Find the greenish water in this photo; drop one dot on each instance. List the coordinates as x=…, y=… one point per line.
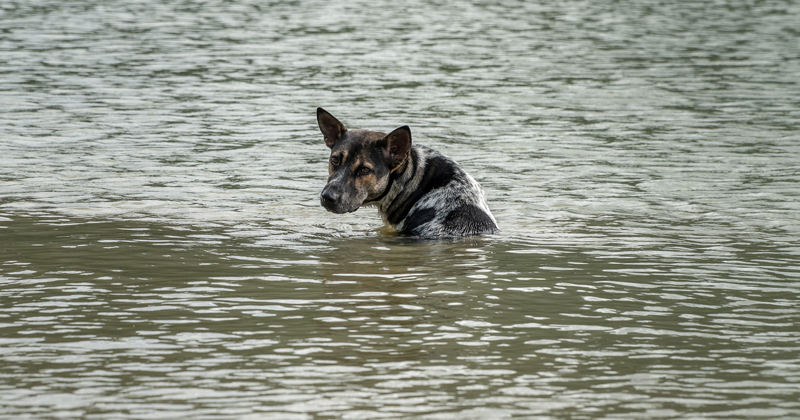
x=163, y=253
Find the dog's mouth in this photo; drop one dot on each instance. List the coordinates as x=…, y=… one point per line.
x=337, y=206
x=338, y=210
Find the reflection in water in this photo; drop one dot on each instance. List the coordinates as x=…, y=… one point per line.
x=163, y=253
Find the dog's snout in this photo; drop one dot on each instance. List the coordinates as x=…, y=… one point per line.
x=330, y=195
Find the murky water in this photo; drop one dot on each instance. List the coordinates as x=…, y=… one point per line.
x=163, y=254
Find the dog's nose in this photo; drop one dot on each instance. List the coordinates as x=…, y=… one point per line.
x=329, y=195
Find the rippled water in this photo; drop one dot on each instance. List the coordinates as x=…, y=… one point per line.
x=163, y=253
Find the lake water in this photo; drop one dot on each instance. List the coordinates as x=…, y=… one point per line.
x=163, y=254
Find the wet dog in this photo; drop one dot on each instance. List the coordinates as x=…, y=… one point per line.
x=417, y=190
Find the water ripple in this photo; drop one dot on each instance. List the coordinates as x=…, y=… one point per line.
x=163, y=253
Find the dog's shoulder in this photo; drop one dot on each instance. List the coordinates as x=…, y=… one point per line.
x=446, y=200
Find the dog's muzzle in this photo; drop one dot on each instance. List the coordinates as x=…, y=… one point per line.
x=329, y=196
x=331, y=199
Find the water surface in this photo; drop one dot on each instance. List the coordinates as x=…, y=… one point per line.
x=163, y=253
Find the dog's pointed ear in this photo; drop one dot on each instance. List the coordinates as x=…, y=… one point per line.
x=331, y=128
x=396, y=145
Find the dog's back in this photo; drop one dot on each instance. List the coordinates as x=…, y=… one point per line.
x=434, y=197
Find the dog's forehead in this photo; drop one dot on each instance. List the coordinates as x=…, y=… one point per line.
x=357, y=142
x=363, y=136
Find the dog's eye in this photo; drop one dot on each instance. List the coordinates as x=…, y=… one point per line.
x=364, y=171
x=334, y=160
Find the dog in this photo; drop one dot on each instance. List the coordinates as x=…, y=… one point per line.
x=417, y=190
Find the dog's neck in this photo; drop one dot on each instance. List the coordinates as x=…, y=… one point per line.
x=398, y=191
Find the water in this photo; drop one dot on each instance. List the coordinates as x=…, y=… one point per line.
x=163, y=253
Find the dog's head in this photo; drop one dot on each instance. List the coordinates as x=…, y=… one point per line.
x=360, y=164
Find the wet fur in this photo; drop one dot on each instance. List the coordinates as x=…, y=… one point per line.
x=417, y=190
